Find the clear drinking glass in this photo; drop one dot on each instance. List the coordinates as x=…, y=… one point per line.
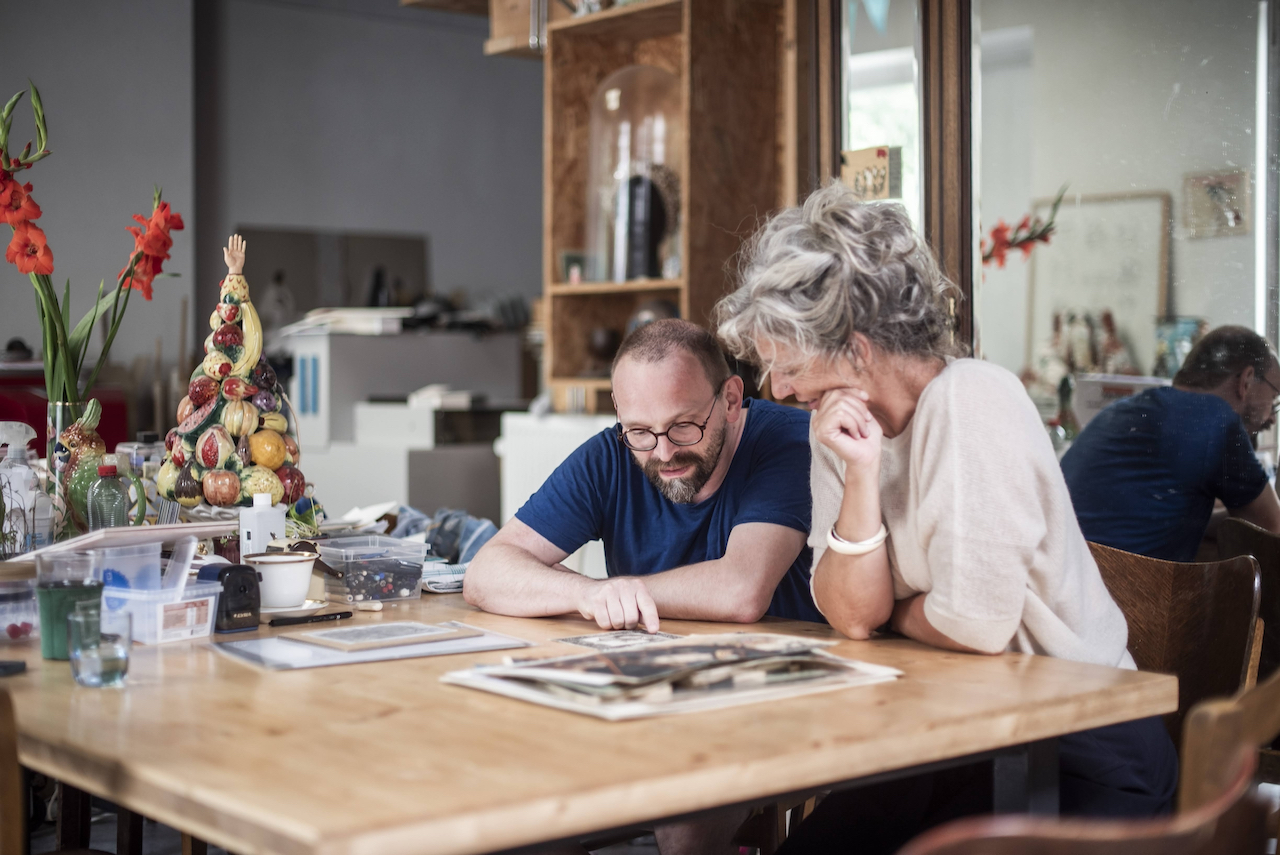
x=99, y=642
x=64, y=579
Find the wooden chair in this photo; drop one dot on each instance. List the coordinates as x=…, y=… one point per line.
x=1236, y=537
x=1197, y=621
x=1218, y=812
x=1232, y=824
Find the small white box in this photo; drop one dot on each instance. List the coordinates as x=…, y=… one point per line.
x=395, y=424
x=159, y=617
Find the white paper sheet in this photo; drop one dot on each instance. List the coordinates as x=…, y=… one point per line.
x=280, y=654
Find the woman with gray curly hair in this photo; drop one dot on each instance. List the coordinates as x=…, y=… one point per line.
x=939, y=508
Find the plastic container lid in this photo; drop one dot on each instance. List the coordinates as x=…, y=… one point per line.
x=262, y=500
x=106, y=470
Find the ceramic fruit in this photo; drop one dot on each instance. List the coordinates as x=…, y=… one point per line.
x=228, y=335
x=171, y=439
x=221, y=488
x=198, y=420
x=252, y=341
x=166, y=478
x=214, y=447
x=217, y=364
x=187, y=490
x=182, y=452
x=185, y=409
x=228, y=312
x=259, y=479
x=293, y=482
x=291, y=451
x=264, y=376
x=265, y=401
x=266, y=448
x=202, y=390
x=274, y=421
x=242, y=450
x=234, y=389
x=240, y=418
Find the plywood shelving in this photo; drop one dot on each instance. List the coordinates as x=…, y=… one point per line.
x=726, y=55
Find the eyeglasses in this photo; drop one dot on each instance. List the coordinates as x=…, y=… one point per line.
x=1275, y=404
x=680, y=433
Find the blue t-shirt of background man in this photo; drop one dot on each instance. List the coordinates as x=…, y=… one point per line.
x=1144, y=473
x=600, y=492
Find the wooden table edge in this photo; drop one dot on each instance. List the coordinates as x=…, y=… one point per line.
x=578, y=813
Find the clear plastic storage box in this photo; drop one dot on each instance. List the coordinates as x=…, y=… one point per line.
x=19, y=617
x=160, y=616
x=372, y=568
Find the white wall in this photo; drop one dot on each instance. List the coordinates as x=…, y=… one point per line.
x=348, y=115
x=362, y=116
x=1129, y=95
x=116, y=81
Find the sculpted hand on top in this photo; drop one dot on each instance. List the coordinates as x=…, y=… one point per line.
x=845, y=425
x=620, y=603
x=233, y=255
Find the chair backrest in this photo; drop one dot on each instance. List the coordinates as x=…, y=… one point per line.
x=1232, y=824
x=1237, y=537
x=13, y=816
x=1213, y=734
x=1193, y=620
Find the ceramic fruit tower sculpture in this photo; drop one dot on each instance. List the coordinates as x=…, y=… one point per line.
x=232, y=438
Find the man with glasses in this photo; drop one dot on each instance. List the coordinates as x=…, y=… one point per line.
x=1144, y=474
x=700, y=496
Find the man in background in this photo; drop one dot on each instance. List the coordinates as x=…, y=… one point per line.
x=1145, y=472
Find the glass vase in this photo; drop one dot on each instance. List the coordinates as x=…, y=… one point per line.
x=61, y=415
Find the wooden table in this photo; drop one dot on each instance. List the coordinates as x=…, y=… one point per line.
x=382, y=759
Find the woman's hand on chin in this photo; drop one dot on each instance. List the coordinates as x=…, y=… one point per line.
x=845, y=425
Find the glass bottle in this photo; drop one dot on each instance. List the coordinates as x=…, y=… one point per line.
x=634, y=175
x=108, y=497
x=1066, y=414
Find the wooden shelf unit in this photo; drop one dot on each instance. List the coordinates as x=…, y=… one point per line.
x=727, y=57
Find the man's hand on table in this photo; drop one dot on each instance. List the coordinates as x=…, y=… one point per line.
x=622, y=602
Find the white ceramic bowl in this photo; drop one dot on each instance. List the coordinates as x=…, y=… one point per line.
x=286, y=576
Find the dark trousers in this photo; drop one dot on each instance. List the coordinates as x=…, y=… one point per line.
x=1123, y=770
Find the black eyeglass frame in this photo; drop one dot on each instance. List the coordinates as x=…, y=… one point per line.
x=621, y=432
x=1275, y=405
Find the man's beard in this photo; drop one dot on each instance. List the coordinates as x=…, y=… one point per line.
x=683, y=490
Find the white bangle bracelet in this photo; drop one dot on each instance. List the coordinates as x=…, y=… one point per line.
x=845, y=547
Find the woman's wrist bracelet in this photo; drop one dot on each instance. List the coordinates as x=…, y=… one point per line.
x=846, y=547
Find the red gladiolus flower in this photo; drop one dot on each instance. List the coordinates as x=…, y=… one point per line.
x=16, y=206
x=29, y=250
x=1000, y=242
x=153, y=241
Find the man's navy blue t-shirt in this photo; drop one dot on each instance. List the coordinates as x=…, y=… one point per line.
x=1144, y=473
x=600, y=492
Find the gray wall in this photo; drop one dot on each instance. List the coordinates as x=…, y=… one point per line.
x=116, y=80
x=323, y=114
x=367, y=117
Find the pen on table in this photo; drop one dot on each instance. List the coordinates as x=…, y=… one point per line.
x=294, y=621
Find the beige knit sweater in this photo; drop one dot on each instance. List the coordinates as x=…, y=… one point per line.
x=980, y=520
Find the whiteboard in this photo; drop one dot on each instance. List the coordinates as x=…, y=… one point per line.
x=1108, y=252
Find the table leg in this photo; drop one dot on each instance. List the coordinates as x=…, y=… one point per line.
x=1025, y=779
x=73, y=818
x=194, y=845
x=128, y=832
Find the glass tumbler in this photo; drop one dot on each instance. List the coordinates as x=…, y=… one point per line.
x=98, y=642
x=64, y=579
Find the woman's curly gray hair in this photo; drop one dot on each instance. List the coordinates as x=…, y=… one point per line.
x=813, y=276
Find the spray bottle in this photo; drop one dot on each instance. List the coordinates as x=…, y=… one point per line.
x=28, y=513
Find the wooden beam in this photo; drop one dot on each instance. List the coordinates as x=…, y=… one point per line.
x=946, y=47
